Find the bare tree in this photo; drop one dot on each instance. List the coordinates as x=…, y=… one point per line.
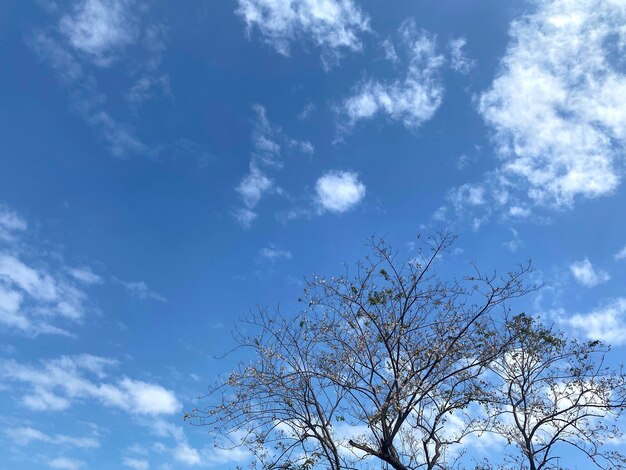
x=375, y=369
x=554, y=392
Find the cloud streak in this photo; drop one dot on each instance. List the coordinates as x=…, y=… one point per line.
x=25, y=435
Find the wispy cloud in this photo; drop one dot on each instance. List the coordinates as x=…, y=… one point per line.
x=38, y=294
x=253, y=186
x=91, y=35
x=85, y=275
x=274, y=253
x=181, y=451
x=140, y=290
x=244, y=216
x=620, y=255
x=119, y=137
x=66, y=463
x=306, y=112
x=411, y=100
x=146, y=87
x=459, y=62
x=269, y=145
x=332, y=25
x=33, y=297
x=57, y=383
x=136, y=464
x=11, y=224
x=26, y=435
x=467, y=195
x=186, y=454
x=224, y=452
x=514, y=243
x=584, y=272
x=188, y=149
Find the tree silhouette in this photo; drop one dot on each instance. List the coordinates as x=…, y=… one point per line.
x=391, y=366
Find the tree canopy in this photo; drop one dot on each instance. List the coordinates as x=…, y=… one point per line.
x=390, y=366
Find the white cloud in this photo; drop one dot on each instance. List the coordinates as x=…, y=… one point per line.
x=519, y=212
x=306, y=112
x=136, y=464
x=587, y=275
x=59, y=382
x=458, y=61
x=37, y=284
x=11, y=224
x=163, y=428
x=186, y=454
x=339, y=191
x=269, y=141
x=119, y=137
x=476, y=203
x=305, y=147
x=558, y=105
x=64, y=463
x=67, y=67
x=467, y=194
x=469, y=202
x=514, y=243
x=244, y=216
x=274, y=253
x=147, y=398
x=389, y=49
x=182, y=452
x=100, y=28
x=140, y=290
x=411, y=100
x=85, y=275
x=144, y=88
x=23, y=436
x=95, y=364
x=605, y=323
x=620, y=255
x=253, y=186
x=332, y=25
x=32, y=296
x=41, y=399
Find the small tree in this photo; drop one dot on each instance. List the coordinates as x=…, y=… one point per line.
x=374, y=367
x=554, y=392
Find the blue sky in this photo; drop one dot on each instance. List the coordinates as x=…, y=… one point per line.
x=166, y=167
